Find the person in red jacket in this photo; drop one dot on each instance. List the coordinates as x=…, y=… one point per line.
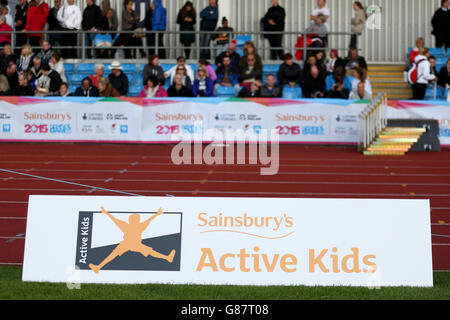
x=5, y=38
x=36, y=19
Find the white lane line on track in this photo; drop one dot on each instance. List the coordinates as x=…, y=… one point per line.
x=243, y=172
x=233, y=192
x=381, y=166
x=253, y=182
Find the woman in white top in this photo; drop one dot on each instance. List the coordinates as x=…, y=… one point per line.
x=25, y=58
x=56, y=63
x=424, y=74
x=361, y=76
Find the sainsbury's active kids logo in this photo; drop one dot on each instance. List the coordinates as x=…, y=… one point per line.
x=150, y=241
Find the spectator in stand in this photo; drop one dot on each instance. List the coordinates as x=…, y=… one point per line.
x=92, y=16
x=251, y=92
x=64, y=90
x=314, y=84
x=187, y=82
x=338, y=86
x=432, y=60
x=153, y=89
x=420, y=43
x=289, y=73
x=227, y=75
x=130, y=22
x=49, y=83
x=187, y=19
x=270, y=89
x=251, y=73
x=354, y=61
x=34, y=23
x=423, y=74
x=223, y=37
x=249, y=48
x=24, y=88
x=148, y=25
x=444, y=76
x=106, y=5
x=25, y=58
x=177, y=89
x=12, y=76
x=46, y=52
x=106, y=89
x=334, y=61
x=86, y=89
x=231, y=52
x=441, y=25
x=4, y=86
x=153, y=69
x=5, y=38
x=36, y=69
x=20, y=23
x=57, y=64
x=203, y=86
x=312, y=61
x=210, y=16
x=274, y=20
x=118, y=79
x=159, y=23
x=210, y=72
x=358, y=23
x=320, y=15
x=172, y=71
x=320, y=58
x=4, y=11
x=54, y=24
x=361, y=93
x=99, y=70
x=6, y=56
x=69, y=16
x=31, y=79
x=360, y=75
x=107, y=24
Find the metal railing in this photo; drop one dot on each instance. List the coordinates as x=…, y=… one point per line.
x=81, y=46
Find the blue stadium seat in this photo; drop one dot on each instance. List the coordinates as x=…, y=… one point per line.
x=75, y=79
x=240, y=52
x=134, y=91
x=129, y=68
x=292, y=93
x=225, y=92
x=69, y=68
x=271, y=68
x=440, y=94
x=167, y=66
x=137, y=80
x=242, y=39
x=141, y=67
x=194, y=68
x=166, y=86
x=437, y=52
x=86, y=68
x=73, y=88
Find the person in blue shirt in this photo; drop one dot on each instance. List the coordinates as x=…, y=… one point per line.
x=210, y=16
x=156, y=20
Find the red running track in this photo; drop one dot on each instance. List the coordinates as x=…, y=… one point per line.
x=305, y=172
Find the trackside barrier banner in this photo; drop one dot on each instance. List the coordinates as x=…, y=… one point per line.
x=240, y=241
x=438, y=110
x=137, y=120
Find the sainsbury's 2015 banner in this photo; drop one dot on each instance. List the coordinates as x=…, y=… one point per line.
x=137, y=120
x=240, y=241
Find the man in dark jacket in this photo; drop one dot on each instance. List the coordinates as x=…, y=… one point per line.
x=314, y=85
x=20, y=22
x=441, y=25
x=289, y=73
x=12, y=76
x=210, y=16
x=118, y=79
x=274, y=20
x=54, y=24
x=24, y=88
x=86, y=89
x=92, y=16
x=270, y=89
x=54, y=80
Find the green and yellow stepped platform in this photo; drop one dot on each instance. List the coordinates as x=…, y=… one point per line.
x=394, y=141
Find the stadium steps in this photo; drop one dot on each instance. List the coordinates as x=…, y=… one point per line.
x=389, y=79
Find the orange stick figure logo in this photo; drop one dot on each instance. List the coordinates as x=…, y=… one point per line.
x=132, y=239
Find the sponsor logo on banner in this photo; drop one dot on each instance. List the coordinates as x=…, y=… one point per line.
x=48, y=128
x=93, y=116
x=346, y=118
x=124, y=128
x=4, y=116
x=145, y=241
x=6, y=127
x=159, y=116
x=299, y=117
x=226, y=117
x=61, y=117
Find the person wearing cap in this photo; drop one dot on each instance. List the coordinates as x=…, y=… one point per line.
x=231, y=53
x=118, y=79
x=223, y=37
